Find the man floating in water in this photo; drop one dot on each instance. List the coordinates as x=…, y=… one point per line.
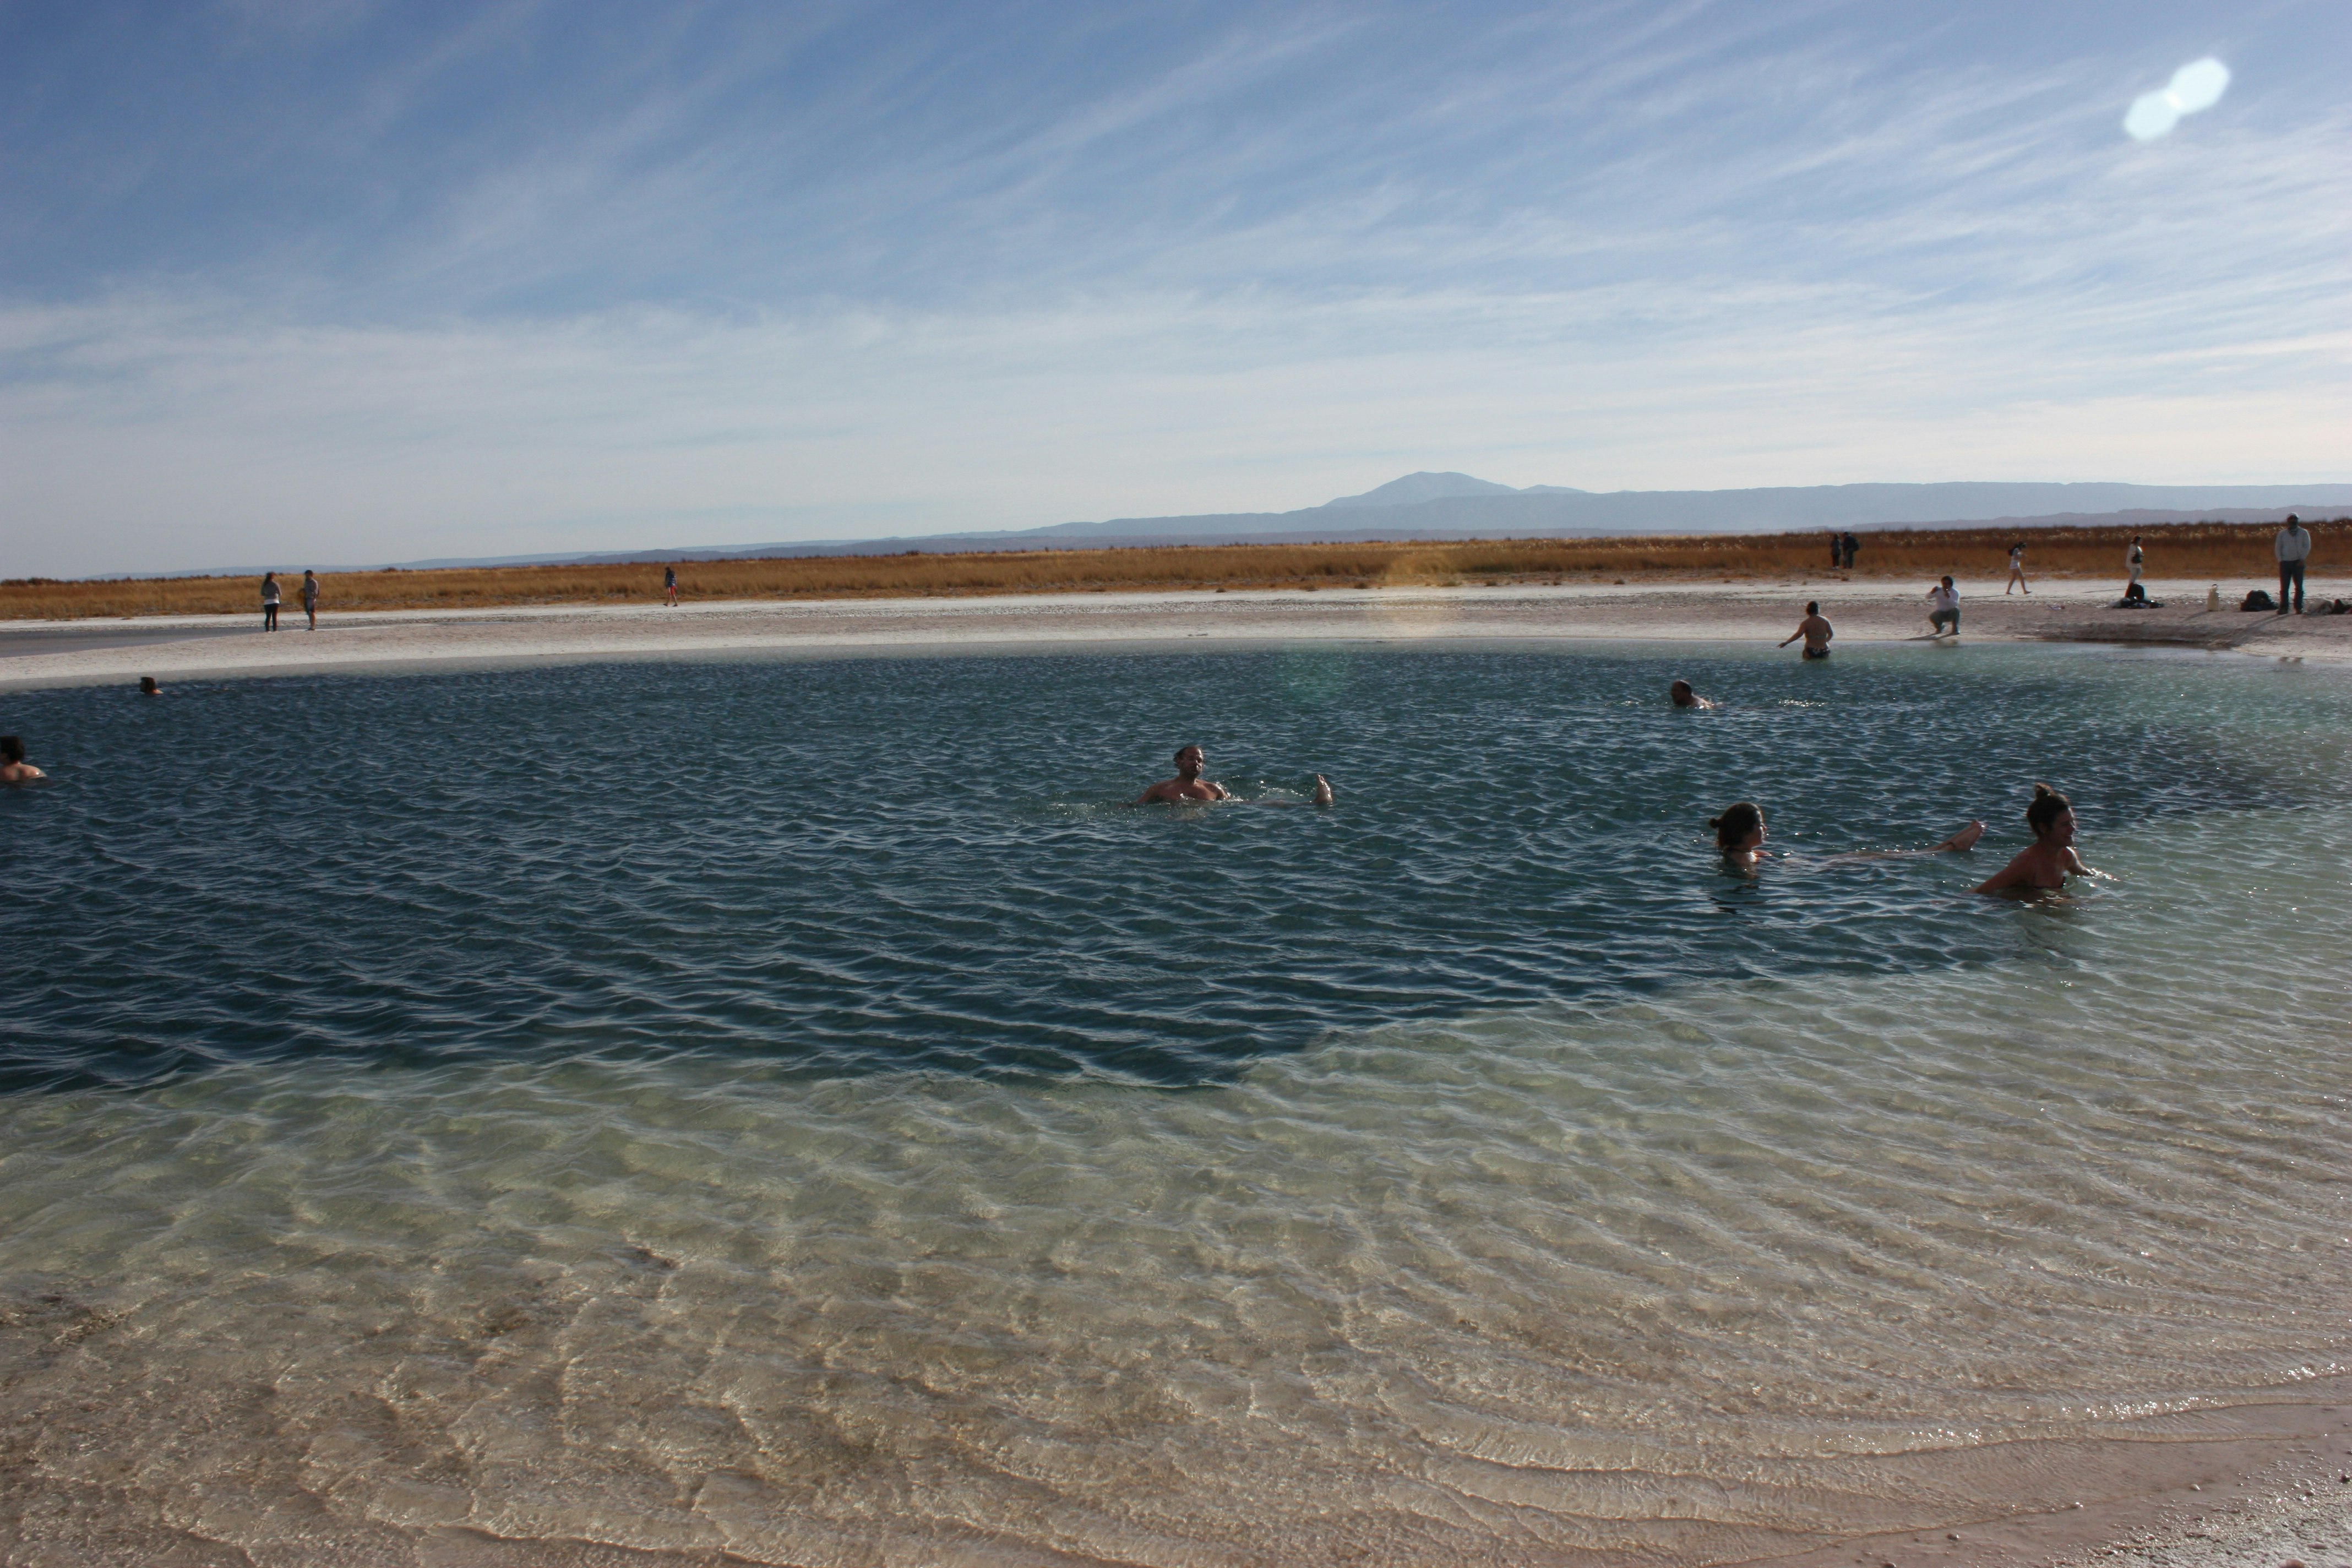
x=1815, y=630
x=1188, y=783
x=1683, y=696
x=14, y=768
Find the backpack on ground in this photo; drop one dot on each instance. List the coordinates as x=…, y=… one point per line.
x=2258, y=600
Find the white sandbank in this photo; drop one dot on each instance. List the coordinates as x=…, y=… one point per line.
x=65, y=653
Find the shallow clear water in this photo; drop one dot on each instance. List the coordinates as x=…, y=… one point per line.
x=792, y=1107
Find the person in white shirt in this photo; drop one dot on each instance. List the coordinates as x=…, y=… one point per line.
x=2016, y=570
x=2134, y=559
x=2293, y=547
x=1943, y=609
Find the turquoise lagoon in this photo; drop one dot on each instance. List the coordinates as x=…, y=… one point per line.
x=791, y=1108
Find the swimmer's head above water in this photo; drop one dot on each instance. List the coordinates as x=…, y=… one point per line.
x=1188, y=783
x=2052, y=817
x=1682, y=695
x=1741, y=830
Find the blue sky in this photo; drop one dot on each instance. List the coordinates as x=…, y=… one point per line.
x=342, y=282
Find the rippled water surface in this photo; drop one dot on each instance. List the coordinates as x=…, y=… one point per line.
x=793, y=1109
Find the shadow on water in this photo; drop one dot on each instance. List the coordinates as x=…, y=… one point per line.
x=923, y=863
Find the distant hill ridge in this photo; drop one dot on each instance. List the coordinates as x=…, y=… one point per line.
x=1450, y=506
x=1461, y=506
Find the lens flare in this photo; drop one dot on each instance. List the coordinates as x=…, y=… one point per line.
x=2197, y=84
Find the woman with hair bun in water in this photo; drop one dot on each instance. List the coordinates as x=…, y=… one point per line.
x=2049, y=859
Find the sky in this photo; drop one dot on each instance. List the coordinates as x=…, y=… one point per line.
x=304, y=281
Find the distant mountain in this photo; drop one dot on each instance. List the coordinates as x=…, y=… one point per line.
x=1414, y=489
x=1459, y=506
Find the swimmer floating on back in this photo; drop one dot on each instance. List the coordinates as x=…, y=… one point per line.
x=1188, y=783
x=1814, y=630
x=2049, y=859
x=1739, y=835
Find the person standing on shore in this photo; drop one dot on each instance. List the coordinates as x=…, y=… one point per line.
x=1943, y=609
x=1837, y=550
x=669, y=583
x=1815, y=630
x=2135, y=559
x=2016, y=570
x=2294, y=548
x=270, y=597
x=310, y=596
x=1851, y=544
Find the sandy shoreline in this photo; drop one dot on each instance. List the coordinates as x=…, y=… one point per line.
x=2252, y=1484
x=64, y=653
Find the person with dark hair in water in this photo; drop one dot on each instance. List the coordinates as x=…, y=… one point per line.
x=14, y=768
x=1682, y=696
x=1188, y=784
x=2050, y=858
x=147, y=687
x=1739, y=835
x=1815, y=630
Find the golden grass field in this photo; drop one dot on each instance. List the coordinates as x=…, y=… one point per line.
x=2206, y=551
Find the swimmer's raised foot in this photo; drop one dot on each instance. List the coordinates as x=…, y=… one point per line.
x=1966, y=839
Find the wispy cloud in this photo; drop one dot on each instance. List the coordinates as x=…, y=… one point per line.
x=564, y=276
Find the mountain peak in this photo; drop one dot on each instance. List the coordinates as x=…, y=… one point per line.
x=1422, y=487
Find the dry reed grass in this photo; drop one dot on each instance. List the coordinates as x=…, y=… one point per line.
x=2210, y=551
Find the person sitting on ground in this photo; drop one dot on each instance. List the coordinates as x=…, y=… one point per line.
x=1188, y=783
x=2293, y=546
x=1943, y=609
x=2134, y=559
x=1814, y=630
x=147, y=687
x=14, y=768
x=1683, y=696
x=2049, y=859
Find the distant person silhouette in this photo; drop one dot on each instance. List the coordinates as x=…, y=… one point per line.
x=669, y=583
x=2293, y=547
x=310, y=596
x=1943, y=609
x=269, y=601
x=2016, y=570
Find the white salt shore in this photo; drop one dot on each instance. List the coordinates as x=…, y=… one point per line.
x=62, y=653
